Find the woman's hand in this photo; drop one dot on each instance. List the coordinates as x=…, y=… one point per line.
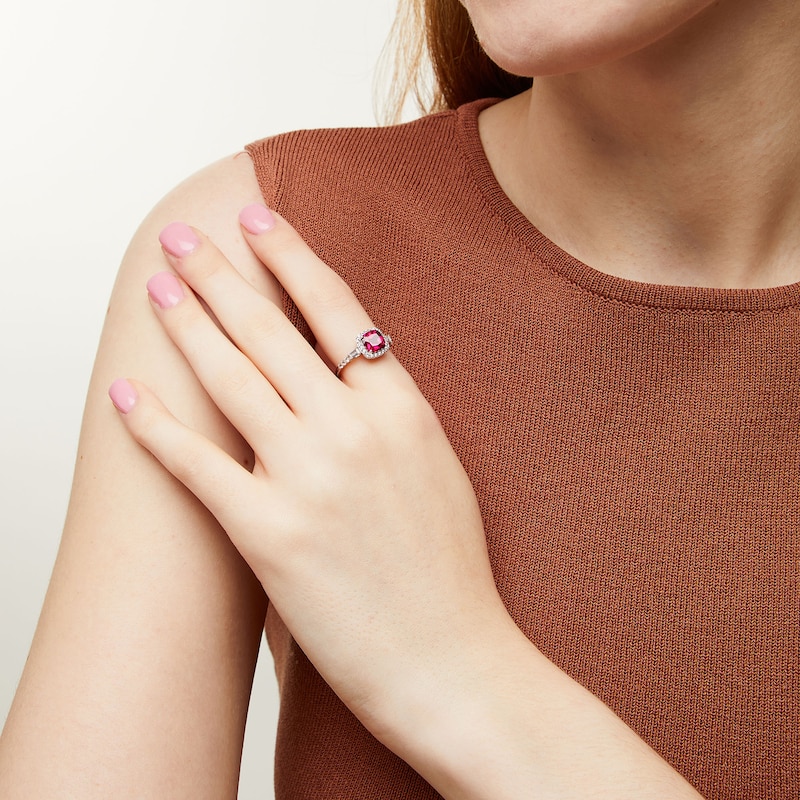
x=364, y=530
x=357, y=516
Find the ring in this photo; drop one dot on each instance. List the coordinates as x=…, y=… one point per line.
x=372, y=343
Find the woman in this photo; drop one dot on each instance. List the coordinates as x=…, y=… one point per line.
x=613, y=617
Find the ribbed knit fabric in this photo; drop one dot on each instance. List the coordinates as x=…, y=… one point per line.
x=634, y=449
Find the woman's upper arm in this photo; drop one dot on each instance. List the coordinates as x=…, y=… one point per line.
x=139, y=675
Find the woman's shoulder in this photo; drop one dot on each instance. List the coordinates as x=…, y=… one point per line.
x=335, y=185
x=364, y=160
x=210, y=199
x=418, y=133
x=367, y=160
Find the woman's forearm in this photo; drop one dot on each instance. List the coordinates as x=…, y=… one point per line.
x=499, y=721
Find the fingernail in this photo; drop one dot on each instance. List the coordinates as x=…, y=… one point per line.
x=122, y=395
x=165, y=290
x=178, y=239
x=256, y=218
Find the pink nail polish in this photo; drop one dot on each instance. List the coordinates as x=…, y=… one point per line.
x=165, y=290
x=178, y=239
x=122, y=395
x=256, y=218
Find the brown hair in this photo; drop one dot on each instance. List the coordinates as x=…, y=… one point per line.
x=439, y=61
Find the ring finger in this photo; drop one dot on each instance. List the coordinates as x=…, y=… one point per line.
x=328, y=304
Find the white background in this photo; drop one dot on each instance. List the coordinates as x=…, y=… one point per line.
x=103, y=108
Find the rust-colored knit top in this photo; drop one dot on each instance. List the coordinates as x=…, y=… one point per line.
x=634, y=449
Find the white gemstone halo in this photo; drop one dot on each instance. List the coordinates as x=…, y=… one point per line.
x=371, y=343
x=369, y=348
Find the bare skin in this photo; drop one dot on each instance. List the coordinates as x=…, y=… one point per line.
x=634, y=164
x=676, y=164
x=139, y=677
x=542, y=37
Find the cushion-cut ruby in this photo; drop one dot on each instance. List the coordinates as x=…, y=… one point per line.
x=373, y=341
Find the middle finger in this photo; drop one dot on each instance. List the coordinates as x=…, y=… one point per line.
x=258, y=327
x=232, y=381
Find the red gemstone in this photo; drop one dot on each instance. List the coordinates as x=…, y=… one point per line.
x=373, y=341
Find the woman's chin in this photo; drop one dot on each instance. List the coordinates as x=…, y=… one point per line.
x=540, y=59
x=536, y=47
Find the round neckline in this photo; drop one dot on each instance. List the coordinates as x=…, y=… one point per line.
x=588, y=278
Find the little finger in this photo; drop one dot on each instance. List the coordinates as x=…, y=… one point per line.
x=217, y=480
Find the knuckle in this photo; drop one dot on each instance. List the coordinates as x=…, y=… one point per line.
x=235, y=381
x=181, y=324
x=283, y=240
x=185, y=465
x=156, y=430
x=204, y=264
x=329, y=291
x=265, y=323
x=354, y=436
x=291, y=539
x=282, y=245
x=145, y=424
x=412, y=411
x=255, y=419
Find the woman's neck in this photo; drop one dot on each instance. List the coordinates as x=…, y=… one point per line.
x=677, y=165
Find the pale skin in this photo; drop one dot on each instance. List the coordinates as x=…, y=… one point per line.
x=675, y=163
x=138, y=679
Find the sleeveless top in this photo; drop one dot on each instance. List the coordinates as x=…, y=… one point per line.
x=633, y=448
